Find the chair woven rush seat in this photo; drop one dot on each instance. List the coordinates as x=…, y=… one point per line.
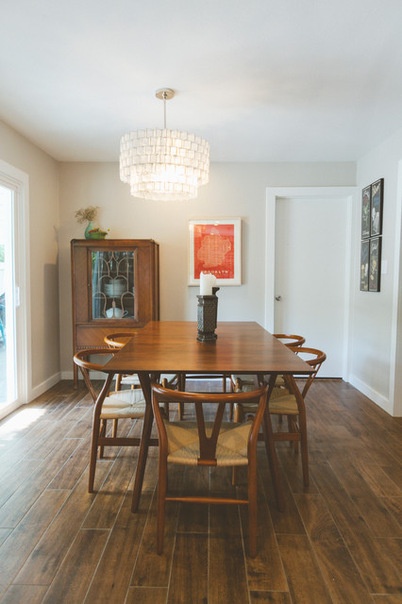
x=184, y=445
x=248, y=383
x=124, y=403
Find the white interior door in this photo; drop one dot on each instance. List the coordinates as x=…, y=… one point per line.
x=310, y=272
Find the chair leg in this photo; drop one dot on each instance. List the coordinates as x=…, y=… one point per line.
x=93, y=456
x=142, y=457
x=293, y=428
x=234, y=476
x=181, y=385
x=118, y=382
x=162, y=490
x=96, y=429
x=238, y=414
x=252, y=509
x=224, y=383
x=272, y=459
x=304, y=449
x=302, y=429
x=102, y=432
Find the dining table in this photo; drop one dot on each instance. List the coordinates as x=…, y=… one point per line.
x=171, y=347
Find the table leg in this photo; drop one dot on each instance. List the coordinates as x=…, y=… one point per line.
x=145, y=382
x=270, y=449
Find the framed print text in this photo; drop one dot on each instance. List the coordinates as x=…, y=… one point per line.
x=215, y=247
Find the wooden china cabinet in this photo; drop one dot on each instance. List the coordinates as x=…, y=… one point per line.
x=115, y=287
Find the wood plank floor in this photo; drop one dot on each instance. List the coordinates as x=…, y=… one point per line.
x=337, y=542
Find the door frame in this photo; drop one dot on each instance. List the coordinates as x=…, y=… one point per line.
x=18, y=181
x=274, y=194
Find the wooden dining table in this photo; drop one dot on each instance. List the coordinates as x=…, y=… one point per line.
x=171, y=347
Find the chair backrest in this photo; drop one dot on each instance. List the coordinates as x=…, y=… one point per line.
x=118, y=339
x=290, y=339
x=208, y=427
x=314, y=358
x=82, y=358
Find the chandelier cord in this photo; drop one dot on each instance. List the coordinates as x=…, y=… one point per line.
x=164, y=109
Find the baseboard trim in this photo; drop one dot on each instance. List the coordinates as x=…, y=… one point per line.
x=372, y=394
x=44, y=386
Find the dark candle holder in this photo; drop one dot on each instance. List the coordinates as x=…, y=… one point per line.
x=207, y=314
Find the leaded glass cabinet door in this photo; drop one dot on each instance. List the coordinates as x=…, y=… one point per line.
x=115, y=287
x=113, y=284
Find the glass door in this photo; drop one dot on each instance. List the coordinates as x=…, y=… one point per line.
x=113, y=287
x=8, y=374
x=15, y=347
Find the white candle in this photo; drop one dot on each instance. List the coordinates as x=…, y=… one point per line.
x=203, y=284
x=207, y=282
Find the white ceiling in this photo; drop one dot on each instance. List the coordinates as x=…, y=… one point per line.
x=262, y=80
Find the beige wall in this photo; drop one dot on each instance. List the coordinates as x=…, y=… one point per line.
x=43, y=173
x=234, y=190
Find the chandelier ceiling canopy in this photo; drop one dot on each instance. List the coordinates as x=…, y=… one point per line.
x=163, y=164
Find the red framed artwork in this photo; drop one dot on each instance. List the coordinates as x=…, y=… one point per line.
x=215, y=247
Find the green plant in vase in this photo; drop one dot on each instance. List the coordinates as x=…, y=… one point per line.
x=89, y=215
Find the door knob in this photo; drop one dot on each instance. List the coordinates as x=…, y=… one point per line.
x=278, y=298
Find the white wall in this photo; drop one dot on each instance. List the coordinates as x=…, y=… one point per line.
x=43, y=176
x=376, y=335
x=234, y=190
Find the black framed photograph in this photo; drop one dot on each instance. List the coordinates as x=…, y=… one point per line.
x=364, y=265
x=366, y=212
x=377, y=195
x=375, y=264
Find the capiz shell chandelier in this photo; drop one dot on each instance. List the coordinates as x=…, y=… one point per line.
x=166, y=165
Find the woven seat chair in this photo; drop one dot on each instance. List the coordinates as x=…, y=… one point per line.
x=290, y=339
x=203, y=443
x=250, y=381
x=117, y=341
x=124, y=404
x=283, y=402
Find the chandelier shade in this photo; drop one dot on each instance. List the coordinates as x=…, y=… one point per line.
x=163, y=164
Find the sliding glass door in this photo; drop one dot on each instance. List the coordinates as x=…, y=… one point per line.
x=14, y=289
x=8, y=372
